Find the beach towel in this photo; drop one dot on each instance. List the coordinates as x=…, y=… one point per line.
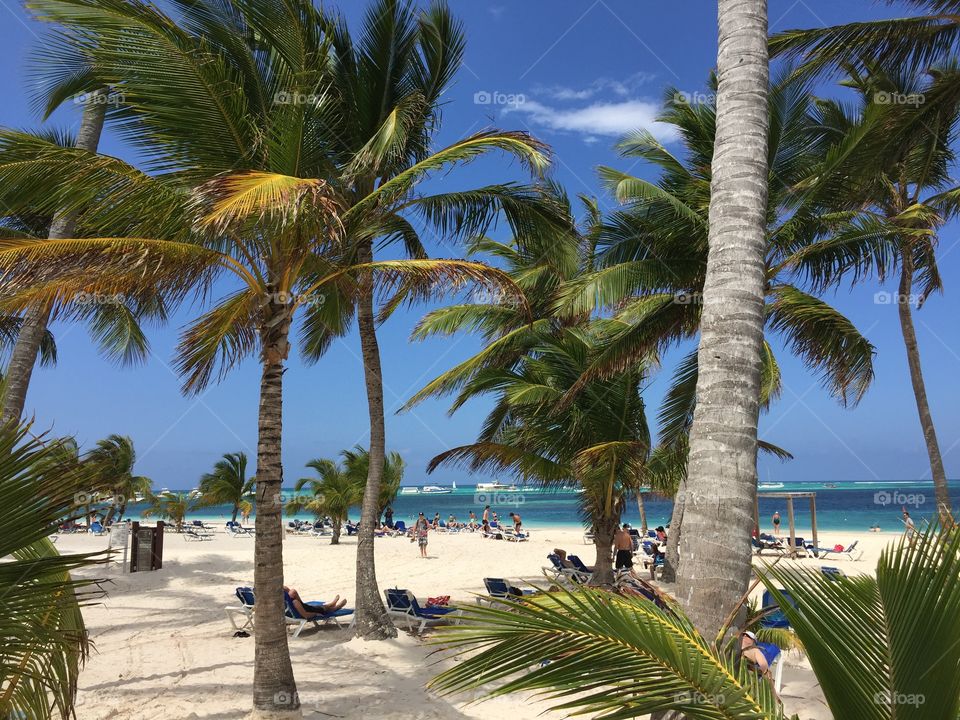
x=439, y=601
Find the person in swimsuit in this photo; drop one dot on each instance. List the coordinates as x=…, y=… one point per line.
x=516, y=521
x=313, y=610
x=623, y=545
x=776, y=524
x=421, y=530
x=909, y=529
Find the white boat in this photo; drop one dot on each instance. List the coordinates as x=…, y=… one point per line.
x=409, y=491
x=769, y=486
x=496, y=487
x=435, y=490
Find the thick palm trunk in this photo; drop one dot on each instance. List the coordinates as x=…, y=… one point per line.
x=335, y=540
x=372, y=621
x=274, y=687
x=233, y=517
x=36, y=319
x=941, y=489
x=722, y=475
x=603, y=532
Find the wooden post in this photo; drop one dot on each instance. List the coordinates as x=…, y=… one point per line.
x=134, y=545
x=813, y=518
x=793, y=532
x=157, y=554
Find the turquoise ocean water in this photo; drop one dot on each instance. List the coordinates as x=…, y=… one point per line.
x=849, y=506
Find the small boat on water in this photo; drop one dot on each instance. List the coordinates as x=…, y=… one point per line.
x=409, y=491
x=769, y=486
x=435, y=490
x=829, y=485
x=496, y=487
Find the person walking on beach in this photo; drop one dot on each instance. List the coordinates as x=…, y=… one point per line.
x=623, y=545
x=909, y=529
x=420, y=531
x=776, y=524
x=388, y=517
x=486, y=515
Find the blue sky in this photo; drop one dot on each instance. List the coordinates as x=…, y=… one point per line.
x=586, y=72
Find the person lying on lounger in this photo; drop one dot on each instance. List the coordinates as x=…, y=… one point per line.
x=312, y=610
x=752, y=654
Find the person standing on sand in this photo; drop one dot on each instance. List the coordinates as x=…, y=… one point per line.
x=473, y=521
x=486, y=515
x=776, y=524
x=388, y=517
x=909, y=529
x=420, y=531
x=623, y=545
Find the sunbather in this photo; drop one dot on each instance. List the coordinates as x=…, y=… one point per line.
x=752, y=654
x=309, y=611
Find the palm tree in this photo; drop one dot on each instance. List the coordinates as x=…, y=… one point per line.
x=652, y=257
x=247, y=187
x=45, y=641
x=882, y=647
x=114, y=322
x=32, y=333
x=599, y=440
x=915, y=42
x=356, y=463
x=332, y=494
x=721, y=470
x=172, y=507
x=112, y=462
x=388, y=88
x=228, y=483
x=896, y=200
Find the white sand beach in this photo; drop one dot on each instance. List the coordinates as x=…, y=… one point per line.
x=164, y=648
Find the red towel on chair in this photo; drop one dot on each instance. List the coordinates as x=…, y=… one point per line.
x=439, y=601
x=838, y=548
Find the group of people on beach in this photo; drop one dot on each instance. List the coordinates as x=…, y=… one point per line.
x=422, y=527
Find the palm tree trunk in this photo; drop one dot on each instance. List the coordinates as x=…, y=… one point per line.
x=941, y=489
x=372, y=621
x=722, y=475
x=236, y=509
x=671, y=558
x=335, y=540
x=36, y=319
x=603, y=531
x=641, y=508
x=123, y=510
x=274, y=687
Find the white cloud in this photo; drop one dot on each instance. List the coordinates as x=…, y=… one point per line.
x=599, y=118
x=621, y=88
